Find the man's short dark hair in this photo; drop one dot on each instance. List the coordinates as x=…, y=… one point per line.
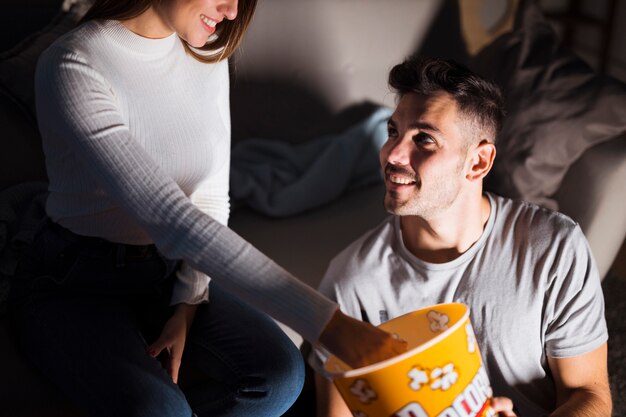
x=478, y=99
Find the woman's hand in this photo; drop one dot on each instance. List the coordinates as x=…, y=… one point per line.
x=358, y=343
x=173, y=338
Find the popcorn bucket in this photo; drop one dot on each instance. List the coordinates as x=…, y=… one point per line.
x=441, y=374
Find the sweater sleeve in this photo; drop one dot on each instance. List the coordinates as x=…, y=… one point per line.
x=211, y=196
x=76, y=107
x=192, y=286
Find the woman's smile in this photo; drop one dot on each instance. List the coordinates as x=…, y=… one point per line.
x=208, y=23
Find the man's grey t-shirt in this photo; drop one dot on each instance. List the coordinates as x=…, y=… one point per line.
x=530, y=283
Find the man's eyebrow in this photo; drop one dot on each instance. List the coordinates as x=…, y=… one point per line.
x=416, y=125
x=424, y=126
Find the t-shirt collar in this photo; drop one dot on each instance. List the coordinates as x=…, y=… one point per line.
x=464, y=257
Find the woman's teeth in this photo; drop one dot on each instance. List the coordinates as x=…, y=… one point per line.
x=209, y=22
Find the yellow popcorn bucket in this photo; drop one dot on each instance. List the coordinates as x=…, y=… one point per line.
x=441, y=374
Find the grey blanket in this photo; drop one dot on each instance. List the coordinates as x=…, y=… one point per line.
x=280, y=179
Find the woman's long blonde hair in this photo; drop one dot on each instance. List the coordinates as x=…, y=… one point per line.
x=229, y=33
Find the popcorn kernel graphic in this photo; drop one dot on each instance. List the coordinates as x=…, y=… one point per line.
x=438, y=321
x=443, y=378
x=418, y=377
x=362, y=391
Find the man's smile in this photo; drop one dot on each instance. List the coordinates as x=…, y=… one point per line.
x=397, y=179
x=397, y=176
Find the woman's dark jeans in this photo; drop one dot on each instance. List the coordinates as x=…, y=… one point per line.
x=85, y=311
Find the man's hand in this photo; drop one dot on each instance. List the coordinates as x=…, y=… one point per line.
x=358, y=343
x=173, y=338
x=503, y=406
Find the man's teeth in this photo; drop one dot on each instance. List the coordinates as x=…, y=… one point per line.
x=208, y=21
x=400, y=180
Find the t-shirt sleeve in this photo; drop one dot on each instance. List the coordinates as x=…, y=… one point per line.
x=574, y=306
x=75, y=106
x=338, y=285
x=332, y=287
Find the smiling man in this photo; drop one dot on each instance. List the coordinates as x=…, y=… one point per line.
x=526, y=273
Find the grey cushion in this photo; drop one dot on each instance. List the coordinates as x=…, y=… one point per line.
x=557, y=108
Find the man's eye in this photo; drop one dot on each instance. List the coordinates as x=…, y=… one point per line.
x=392, y=133
x=423, y=139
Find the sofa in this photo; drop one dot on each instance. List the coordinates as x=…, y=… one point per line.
x=313, y=68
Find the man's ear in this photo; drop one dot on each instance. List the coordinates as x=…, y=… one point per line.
x=481, y=158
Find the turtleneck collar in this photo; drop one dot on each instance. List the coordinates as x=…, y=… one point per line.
x=119, y=33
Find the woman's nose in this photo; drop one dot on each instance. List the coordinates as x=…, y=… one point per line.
x=229, y=9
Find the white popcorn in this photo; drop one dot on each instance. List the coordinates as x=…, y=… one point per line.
x=438, y=321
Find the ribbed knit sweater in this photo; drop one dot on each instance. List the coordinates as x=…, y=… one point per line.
x=136, y=135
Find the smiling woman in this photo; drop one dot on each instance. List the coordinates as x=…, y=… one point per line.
x=179, y=16
x=133, y=110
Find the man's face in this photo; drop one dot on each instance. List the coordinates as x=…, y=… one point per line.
x=425, y=156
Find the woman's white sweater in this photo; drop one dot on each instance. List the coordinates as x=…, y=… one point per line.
x=136, y=135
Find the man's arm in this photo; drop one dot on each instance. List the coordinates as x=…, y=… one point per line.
x=582, y=385
x=329, y=401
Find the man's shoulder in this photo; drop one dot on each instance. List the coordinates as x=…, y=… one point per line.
x=358, y=268
x=378, y=238
x=544, y=243
x=530, y=221
x=369, y=249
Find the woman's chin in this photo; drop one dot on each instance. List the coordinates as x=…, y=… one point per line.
x=195, y=41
